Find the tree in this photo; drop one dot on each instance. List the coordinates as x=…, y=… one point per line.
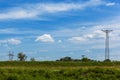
x=66, y=59
x=107, y=60
x=32, y=59
x=85, y=59
x=22, y=56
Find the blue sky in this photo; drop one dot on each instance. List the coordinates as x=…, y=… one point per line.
x=52, y=29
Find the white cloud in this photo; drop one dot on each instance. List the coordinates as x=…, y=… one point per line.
x=10, y=41
x=92, y=36
x=14, y=41
x=59, y=41
x=77, y=39
x=47, y=38
x=60, y=7
x=91, y=3
x=17, y=14
x=87, y=51
x=95, y=34
x=37, y=10
x=110, y=4
x=99, y=35
x=89, y=36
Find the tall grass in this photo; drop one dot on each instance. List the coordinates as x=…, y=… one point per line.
x=59, y=70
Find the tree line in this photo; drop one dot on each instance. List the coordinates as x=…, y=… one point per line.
x=22, y=57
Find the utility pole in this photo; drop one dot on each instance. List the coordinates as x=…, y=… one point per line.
x=107, y=44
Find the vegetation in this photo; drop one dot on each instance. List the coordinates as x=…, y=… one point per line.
x=32, y=59
x=65, y=68
x=22, y=56
x=59, y=70
x=107, y=60
x=84, y=59
x=62, y=74
x=66, y=59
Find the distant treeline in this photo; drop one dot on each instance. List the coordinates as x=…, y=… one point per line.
x=83, y=59
x=22, y=57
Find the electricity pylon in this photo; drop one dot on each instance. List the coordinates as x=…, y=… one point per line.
x=107, y=56
x=11, y=55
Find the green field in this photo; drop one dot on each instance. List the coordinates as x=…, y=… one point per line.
x=53, y=70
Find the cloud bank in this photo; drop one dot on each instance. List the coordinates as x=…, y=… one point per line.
x=10, y=41
x=37, y=10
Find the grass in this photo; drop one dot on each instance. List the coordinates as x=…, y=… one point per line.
x=50, y=70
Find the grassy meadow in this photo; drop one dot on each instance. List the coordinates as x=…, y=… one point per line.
x=59, y=70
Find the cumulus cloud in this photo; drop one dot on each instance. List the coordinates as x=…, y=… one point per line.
x=10, y=41
x=39, y=9
x=47, y=38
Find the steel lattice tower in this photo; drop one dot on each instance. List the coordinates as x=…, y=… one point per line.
x=11, y=55
x=107, y=44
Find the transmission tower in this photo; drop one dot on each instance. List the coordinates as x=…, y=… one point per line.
x=107, y=44
x=11, y=55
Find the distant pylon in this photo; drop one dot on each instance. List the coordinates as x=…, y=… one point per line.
x=11, y=55
x=107, y=56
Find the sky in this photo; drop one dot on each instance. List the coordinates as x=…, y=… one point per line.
x=52, y=29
